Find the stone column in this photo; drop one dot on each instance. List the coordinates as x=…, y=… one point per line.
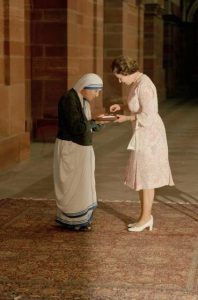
x=28, y=106
x=153, y=47
x=14, y=139
x=85, y=43
x=173, y=54
x=123, y=35
x=48, y=65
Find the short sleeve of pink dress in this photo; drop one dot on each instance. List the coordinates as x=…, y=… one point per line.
x=148, y=166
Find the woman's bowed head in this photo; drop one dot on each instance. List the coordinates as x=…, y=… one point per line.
x=89, y=91
x=126, y=70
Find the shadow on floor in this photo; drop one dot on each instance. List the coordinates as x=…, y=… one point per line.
x=178, y=200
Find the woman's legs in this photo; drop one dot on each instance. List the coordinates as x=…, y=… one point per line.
x=146, y=200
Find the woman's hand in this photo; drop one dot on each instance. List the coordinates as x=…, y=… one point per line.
x=123, y=118
x=114, y=107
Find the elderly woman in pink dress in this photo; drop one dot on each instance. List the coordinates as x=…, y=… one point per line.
x=148, y=166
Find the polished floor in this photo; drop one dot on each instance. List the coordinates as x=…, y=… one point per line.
x=108, y=263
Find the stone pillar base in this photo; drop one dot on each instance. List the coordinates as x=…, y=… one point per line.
x=14, y=149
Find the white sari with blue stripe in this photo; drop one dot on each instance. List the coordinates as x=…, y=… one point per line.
x=74, y=180
x=74, y=167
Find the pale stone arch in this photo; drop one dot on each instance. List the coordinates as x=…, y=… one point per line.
x=192, y=11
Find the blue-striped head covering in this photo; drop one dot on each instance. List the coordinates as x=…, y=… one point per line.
x=90, y=81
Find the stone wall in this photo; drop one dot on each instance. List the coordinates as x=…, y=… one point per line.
x=14, y=139
x=66, y=42
x=123, y=35
x=85, y=42
x=48, y=39
x=47, y=45
x=153, y=47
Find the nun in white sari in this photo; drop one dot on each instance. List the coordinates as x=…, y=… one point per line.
x=74, y=159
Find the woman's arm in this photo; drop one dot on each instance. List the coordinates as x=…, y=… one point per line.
x=148, y=102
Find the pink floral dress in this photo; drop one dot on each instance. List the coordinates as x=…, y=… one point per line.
x=148, y=166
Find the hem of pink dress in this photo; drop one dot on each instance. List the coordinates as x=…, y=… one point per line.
x=148, y=187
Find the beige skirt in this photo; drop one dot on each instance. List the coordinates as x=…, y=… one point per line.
x=74, y=182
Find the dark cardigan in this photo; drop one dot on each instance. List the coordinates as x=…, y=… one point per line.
x=72, y=122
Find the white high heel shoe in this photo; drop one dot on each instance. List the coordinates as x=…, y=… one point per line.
x=131, y=225
x=148, y=224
